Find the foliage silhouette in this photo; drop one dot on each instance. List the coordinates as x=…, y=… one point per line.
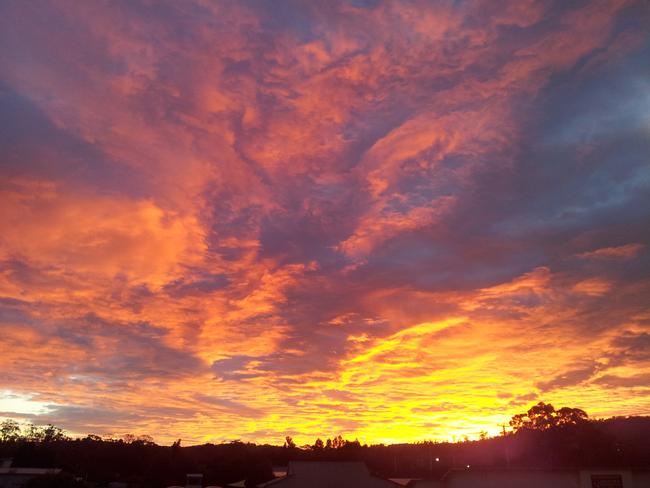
x=543, y=416
x=544, y=438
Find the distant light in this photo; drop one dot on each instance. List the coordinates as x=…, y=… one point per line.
x=468, y=466
x=437, y=460
x=21, y=403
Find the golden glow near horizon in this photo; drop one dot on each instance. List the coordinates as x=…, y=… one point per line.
x=393, y=221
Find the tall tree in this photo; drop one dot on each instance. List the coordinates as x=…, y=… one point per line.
x=543, y=416
x=9, y=431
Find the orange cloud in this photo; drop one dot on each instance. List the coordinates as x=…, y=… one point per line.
x=102, y=236
x=627, y=251
x=233, y=221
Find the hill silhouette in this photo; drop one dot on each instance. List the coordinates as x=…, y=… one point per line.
x=614, y=442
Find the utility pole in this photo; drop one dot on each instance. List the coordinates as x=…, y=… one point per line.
x=505, y=444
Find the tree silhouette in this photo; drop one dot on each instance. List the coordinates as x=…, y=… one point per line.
x=51, y=433
x=338, y=442
x=573, y=440
x=571, y=416
x=9, y=431
x=543, y=416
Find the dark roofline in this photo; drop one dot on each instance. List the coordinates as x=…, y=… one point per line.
x=518, y=469
x=30, y=471
x=290, y=474
x=537, y=468
x=274, y=480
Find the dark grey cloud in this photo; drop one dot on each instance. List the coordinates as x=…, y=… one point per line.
x=570, y=378
x=634, y=381
x=230, y=405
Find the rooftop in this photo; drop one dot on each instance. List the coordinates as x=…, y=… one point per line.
x=328, y=475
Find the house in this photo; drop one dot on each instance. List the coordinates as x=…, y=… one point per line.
x=193, y=480
x=304, y=474
x=18, y=477
x=537, y=478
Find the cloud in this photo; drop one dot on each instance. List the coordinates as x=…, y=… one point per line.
x=627, y=251
x=633, y=346
x=592, y=287
x=230, y=405
x=254, y=219
x=569, y=378
x=612, y=381
x=47, y=225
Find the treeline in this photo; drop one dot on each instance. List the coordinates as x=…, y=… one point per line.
x=12, y=431
x=540, y=437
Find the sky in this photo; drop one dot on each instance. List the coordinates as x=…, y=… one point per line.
x=389, y=220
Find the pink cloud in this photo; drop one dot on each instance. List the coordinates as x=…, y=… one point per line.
x=627, y=251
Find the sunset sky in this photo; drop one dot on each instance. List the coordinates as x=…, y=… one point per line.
x=393, y=221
